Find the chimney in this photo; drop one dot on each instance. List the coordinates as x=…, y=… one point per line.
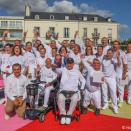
x=27, y=10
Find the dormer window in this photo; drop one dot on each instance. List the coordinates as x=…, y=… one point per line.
x=85, y=18
x=36, y=16
x=95, y=18
x=109, y=19
x=52, y=17
x=66, y=17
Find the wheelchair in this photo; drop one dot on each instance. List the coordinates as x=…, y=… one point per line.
x=77, y=112
x=32, y=112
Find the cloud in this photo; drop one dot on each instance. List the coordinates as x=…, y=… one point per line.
x=124, y=28
x=14, y=7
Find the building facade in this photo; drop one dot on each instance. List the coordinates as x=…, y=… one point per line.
x=62, y=25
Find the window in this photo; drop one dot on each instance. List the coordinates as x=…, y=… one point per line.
x=109, y=32
x=4, y=23
x=16, y=34
x=36, y=16
x=18, y=23
x=52, y=17
x=95, y=18
x=85, y=18
x=12, y=23
x=95, y=31
x=66, y=32
x=52, y=30
x=38, y=30
x=95, y=42
x=1, y=34
x=66, y=17
x=85, y=32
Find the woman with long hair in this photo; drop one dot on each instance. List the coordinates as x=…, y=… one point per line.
x=76, y=56
x=89, y=59
x=30, y=57
x=17, y=57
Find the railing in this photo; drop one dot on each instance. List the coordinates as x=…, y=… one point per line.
x=54, y=35
x=10, y=27
x=95, y=35
x=109, y=35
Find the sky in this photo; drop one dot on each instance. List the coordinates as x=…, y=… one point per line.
x=118, y=10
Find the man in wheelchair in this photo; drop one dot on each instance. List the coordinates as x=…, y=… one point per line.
x=46, y=75
x=68, y=88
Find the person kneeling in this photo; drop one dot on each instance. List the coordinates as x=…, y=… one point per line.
x=47, y=75
x=16, y=92
x=69, y=82
x=92, y=90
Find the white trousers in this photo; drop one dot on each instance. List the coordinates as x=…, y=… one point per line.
x=129, y=84
x=120, y=88
x=47, y=91
x=61, y=103
x=111, y=83
x=92, y=96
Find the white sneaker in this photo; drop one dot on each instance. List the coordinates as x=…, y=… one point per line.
x=115, y=111
x=120, y=104
x=63, y=120
x=105, y=107
x=7, y=117
x=129, y=101
x=68, y=120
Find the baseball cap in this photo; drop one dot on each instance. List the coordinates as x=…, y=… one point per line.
x=70, y=60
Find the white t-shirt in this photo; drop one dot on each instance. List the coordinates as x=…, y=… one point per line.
x=70, y=79
x=108, y=67
x=18, y=59
x=90, y=85
x=105, y=49
x=128, y=55
x=40, y=61
x=123, y=59
x=77, y=60
x=47, y=74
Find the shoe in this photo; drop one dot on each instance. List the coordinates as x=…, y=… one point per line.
x=63, y=120
x=129, y=101
x=68, y=120
x=84, y=111
x=109, y=101
x=105, y=107
x=97, y=112
x=7, y=117
x=120, y=104
x=44, y=107
x=115, y=111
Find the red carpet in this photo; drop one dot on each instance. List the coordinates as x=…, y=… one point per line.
x=87, y=122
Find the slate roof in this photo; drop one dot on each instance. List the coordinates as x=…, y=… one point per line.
x=61, y=16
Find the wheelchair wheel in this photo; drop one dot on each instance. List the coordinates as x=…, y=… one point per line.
x=56, y=118
x=24, y=116
x=78, y=118
x=41, y=117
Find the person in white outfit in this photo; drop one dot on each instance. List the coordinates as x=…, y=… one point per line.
x=17, y=57
x=128, y=54
x=120, y=70
x=89, y=59
x=30, y=57
x=108, y=68
x=104, y=42
x=92, y=89
x=46, y=75
x=91, y=43
x=70, y=78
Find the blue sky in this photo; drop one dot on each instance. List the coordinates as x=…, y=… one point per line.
x=119, y=10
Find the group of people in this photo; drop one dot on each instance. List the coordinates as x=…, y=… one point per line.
x=77, y=66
